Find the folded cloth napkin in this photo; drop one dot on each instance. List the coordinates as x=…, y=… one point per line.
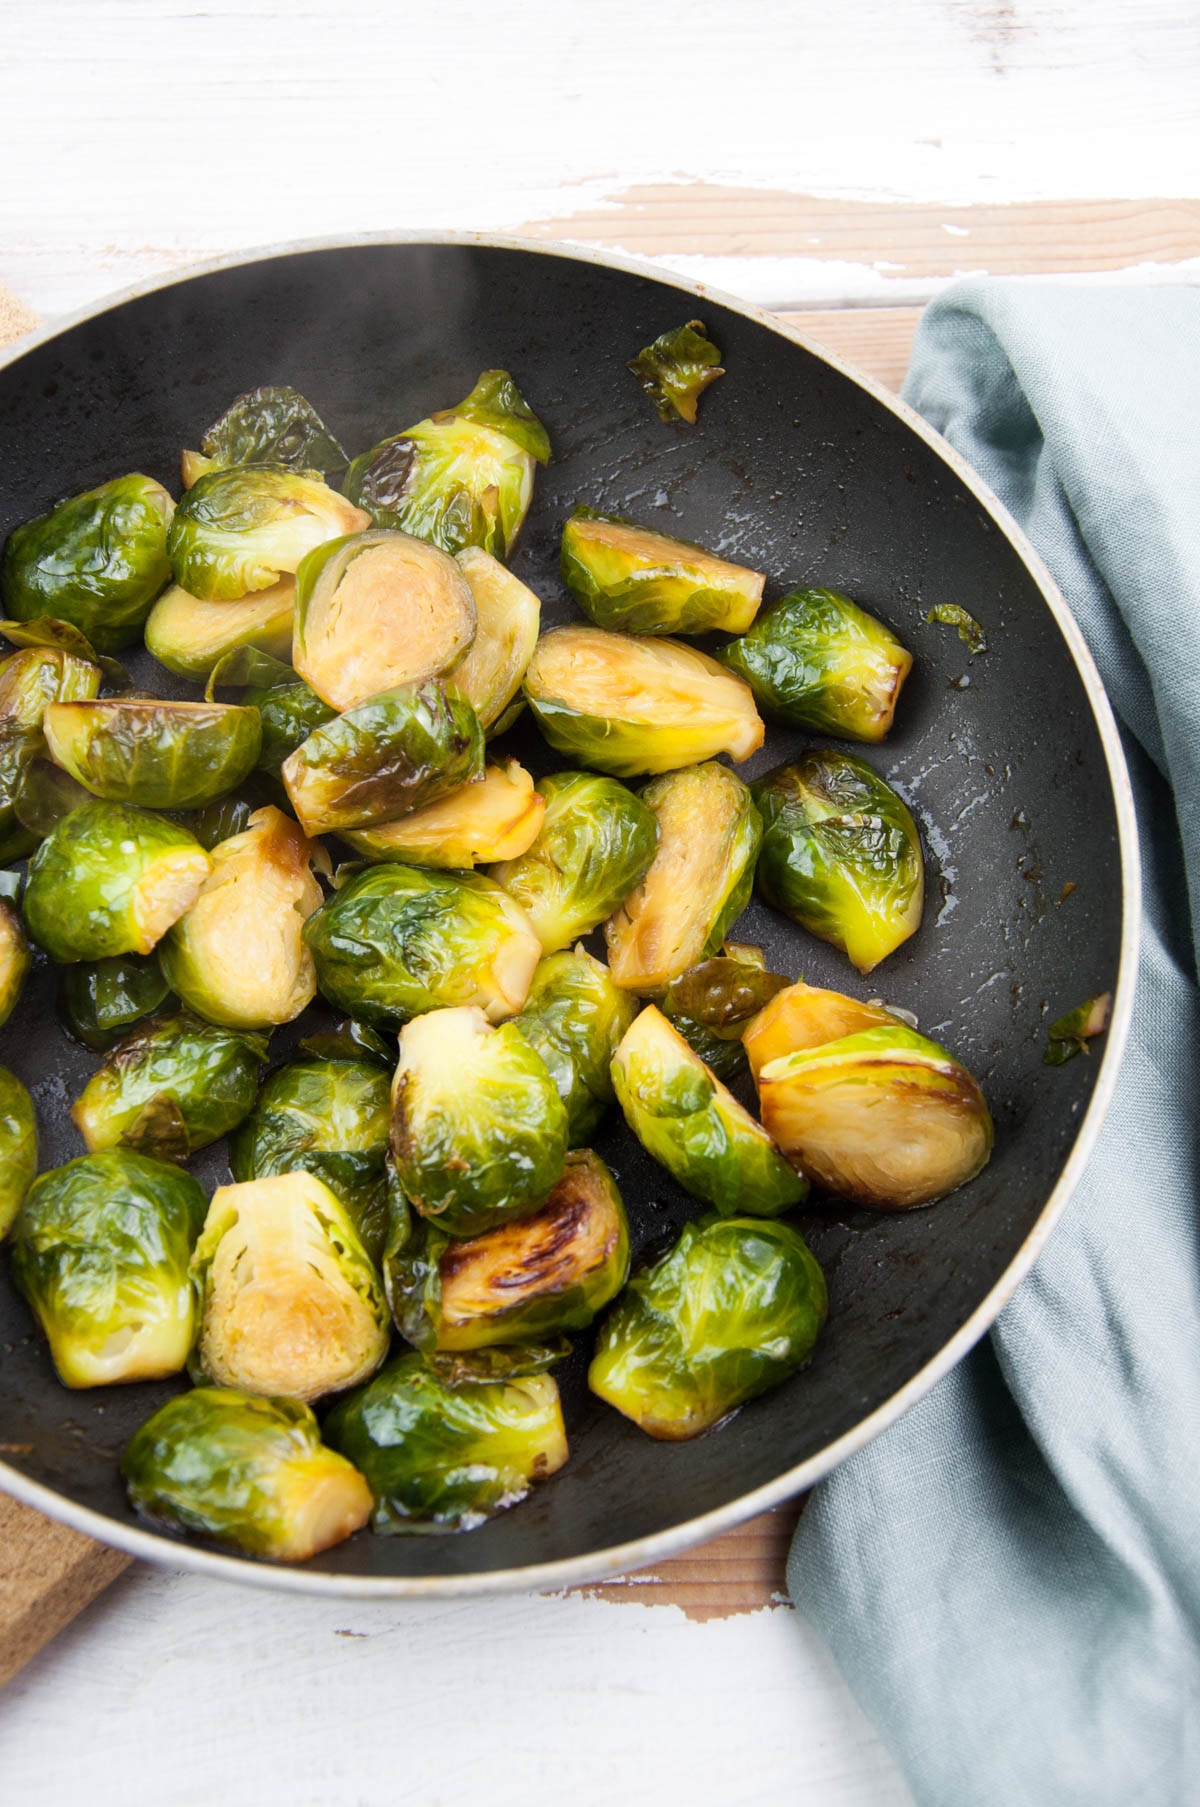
x=1010, y=1576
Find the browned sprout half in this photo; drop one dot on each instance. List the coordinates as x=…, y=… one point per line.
x=497, y=817
x=191, y=637
x=509, y=615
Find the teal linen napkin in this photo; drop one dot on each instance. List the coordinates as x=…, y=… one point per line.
x=1010, y=1576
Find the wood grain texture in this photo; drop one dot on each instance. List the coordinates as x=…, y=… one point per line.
x=876, y=340
x=738, y=1573
x=48, y=1574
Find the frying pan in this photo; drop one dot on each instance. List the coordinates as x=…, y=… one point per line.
x=1009, y=761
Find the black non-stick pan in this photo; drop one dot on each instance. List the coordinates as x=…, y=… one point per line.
x=1009, y=761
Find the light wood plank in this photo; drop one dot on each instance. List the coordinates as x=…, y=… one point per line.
x=876, y=340
x=48, y=1574
x=740, y=1572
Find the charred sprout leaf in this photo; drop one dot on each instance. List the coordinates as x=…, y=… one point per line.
x=99, y=1001
x=733, y=1309
x=441, y=1458
x=630, y=578
x=159, y=755
x=676, y=369
x=30, y=680
x=169, y=1087
x=817, y=660
x=508, y=616
x=15, y=957
x=479, y=1132
x=191, y=637
x=456, y=1368
x=18, y=1147
x=46, y=631
x=101, y=1250
x=969, y=630
x=495, y=817
x=1071, y=1033
x=248, y=1474
x=575, y=1016
x=242, y=529
x=274, y=425
x=710, y=1005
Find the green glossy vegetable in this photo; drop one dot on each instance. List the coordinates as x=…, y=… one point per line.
x=48, y=632
x=273, y=425
x=1069, y=1035
x=595, y=844
x=191, y=637
x=575, y=1017
x=463, y=477
x=952, y=614
x=172, y=1085
x=733, y=1309
x=111, y=879
x=18, y=1147
x=495, y=817
x=508, y=616
x=15, y=957
x=628, y=577
x=397, y=940
x=29, y=680
x=291, y=1305
x=676, y=369
x=97, y=560
x=159, y=755
x=440, y=1458
x=247, y=1474
x=479, y=1132
x=100, y=1251
x=288, y=710
x=625, y=704
x=240, y=530
x=698, y=883
x=840, y=854
x=817, y=660
x=711, y=1004
x=99, y=1001
x=218, y=821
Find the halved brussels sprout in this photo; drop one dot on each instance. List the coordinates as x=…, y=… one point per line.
x=595, y=844
x=711, y=1004
x=101, y=1250
x=440, y=1458
x=631, y=578
x=111, y=879
x=805, y=1016
x=287, y=709
x=550, y=1272
x=397, y=940
x=495, y=817
x=99, y=1001
x=29, y=680
x=156, y=754
x=18, y=1147
x=819, y=661
x=840, y=854
x=676, y=369
x=733, y=1309
x=97, y=560
x=290, y=1303
x=15, y=957
x=242, y=529
x=698, y=883
x=171, y=1086
x=238, y=955
x=396, y=752
x=575, y=1016
x=626, y=704
x=248, y=1474
x=191, y=637
x=273, y=425
x=685, y=1118
x=479, y=1132
x=464, y=477
x=508, y=615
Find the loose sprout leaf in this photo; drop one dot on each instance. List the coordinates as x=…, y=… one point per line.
x=248, y=668
x=1069, y=1035
x=722, y=993
x=969, y=630
x=348, y=1041
x=47, y=630
x=99, y=1001
x=274, y=425
x=676, y=370
x=45, y=795
x=469, y=1367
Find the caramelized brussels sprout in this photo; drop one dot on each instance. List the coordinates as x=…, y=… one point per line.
x=243, y=528
x=464, y=477
x=492, y=818
x=287, y=709
x=376, y=610
x=18, y=1147
x=625, y=704
x=101, y=1250
x=156, y=754
x=290, y=1304
x=171, y=1086
x=111, y=879
x=29, y=680
x=247, y=1474
x=676, y=369
x=394, y=753
x=840, y=855
x=711, y=1004
x=273, y=425
x=97, y=560
x=575, y=1016
x=191, y=637
x=99, y=1001
x=804, y=1016
x=698, y=883
x=733, y=1309
x=550, y=1272
x=819, y=661
x=508, y=615
x=479, y=1132
x=628, y=577
x=397, y=940
x=15, y=958
x=440, y=1458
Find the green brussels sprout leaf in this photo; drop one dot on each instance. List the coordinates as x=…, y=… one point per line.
x=1070, y=1034
x=46, y=630
x=969, y=630
x=348, y=1041
x=99, y=1001
x=676, y=369
x=274, y=425
x=456, y=1368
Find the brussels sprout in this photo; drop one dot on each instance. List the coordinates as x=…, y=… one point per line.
x=398, y=940
x=273, y=425
x=493, y=818
x=550, y=1272
x=238, y=955
x=676, y=370
x=18, y=1147
x=101, y=1250
x=171, y=1086
x=156, y=754
x=191, y=637
x=287, y=709
x=99, y=1001
x=595, y=844
x=111, y=879
x=804, y=1016
x=290, y=1303
x=47, y=632
x=625, y=704
x=479, y=1132
x=1070, y=1034
x=97, y=560
x=464, y=477
x=15, y=958
x=733, y=1309
x=698, y=884
x=376, y=610
x=248, y=1474
x=819, y=661
x=711, y=1004
x=508, y=616
x=952, y=614
x=440, y=1458
x=29, y=680
x=241, y=529
x=840, y=855
x=396, y=752
x=575, y=1016
x=630, y=578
